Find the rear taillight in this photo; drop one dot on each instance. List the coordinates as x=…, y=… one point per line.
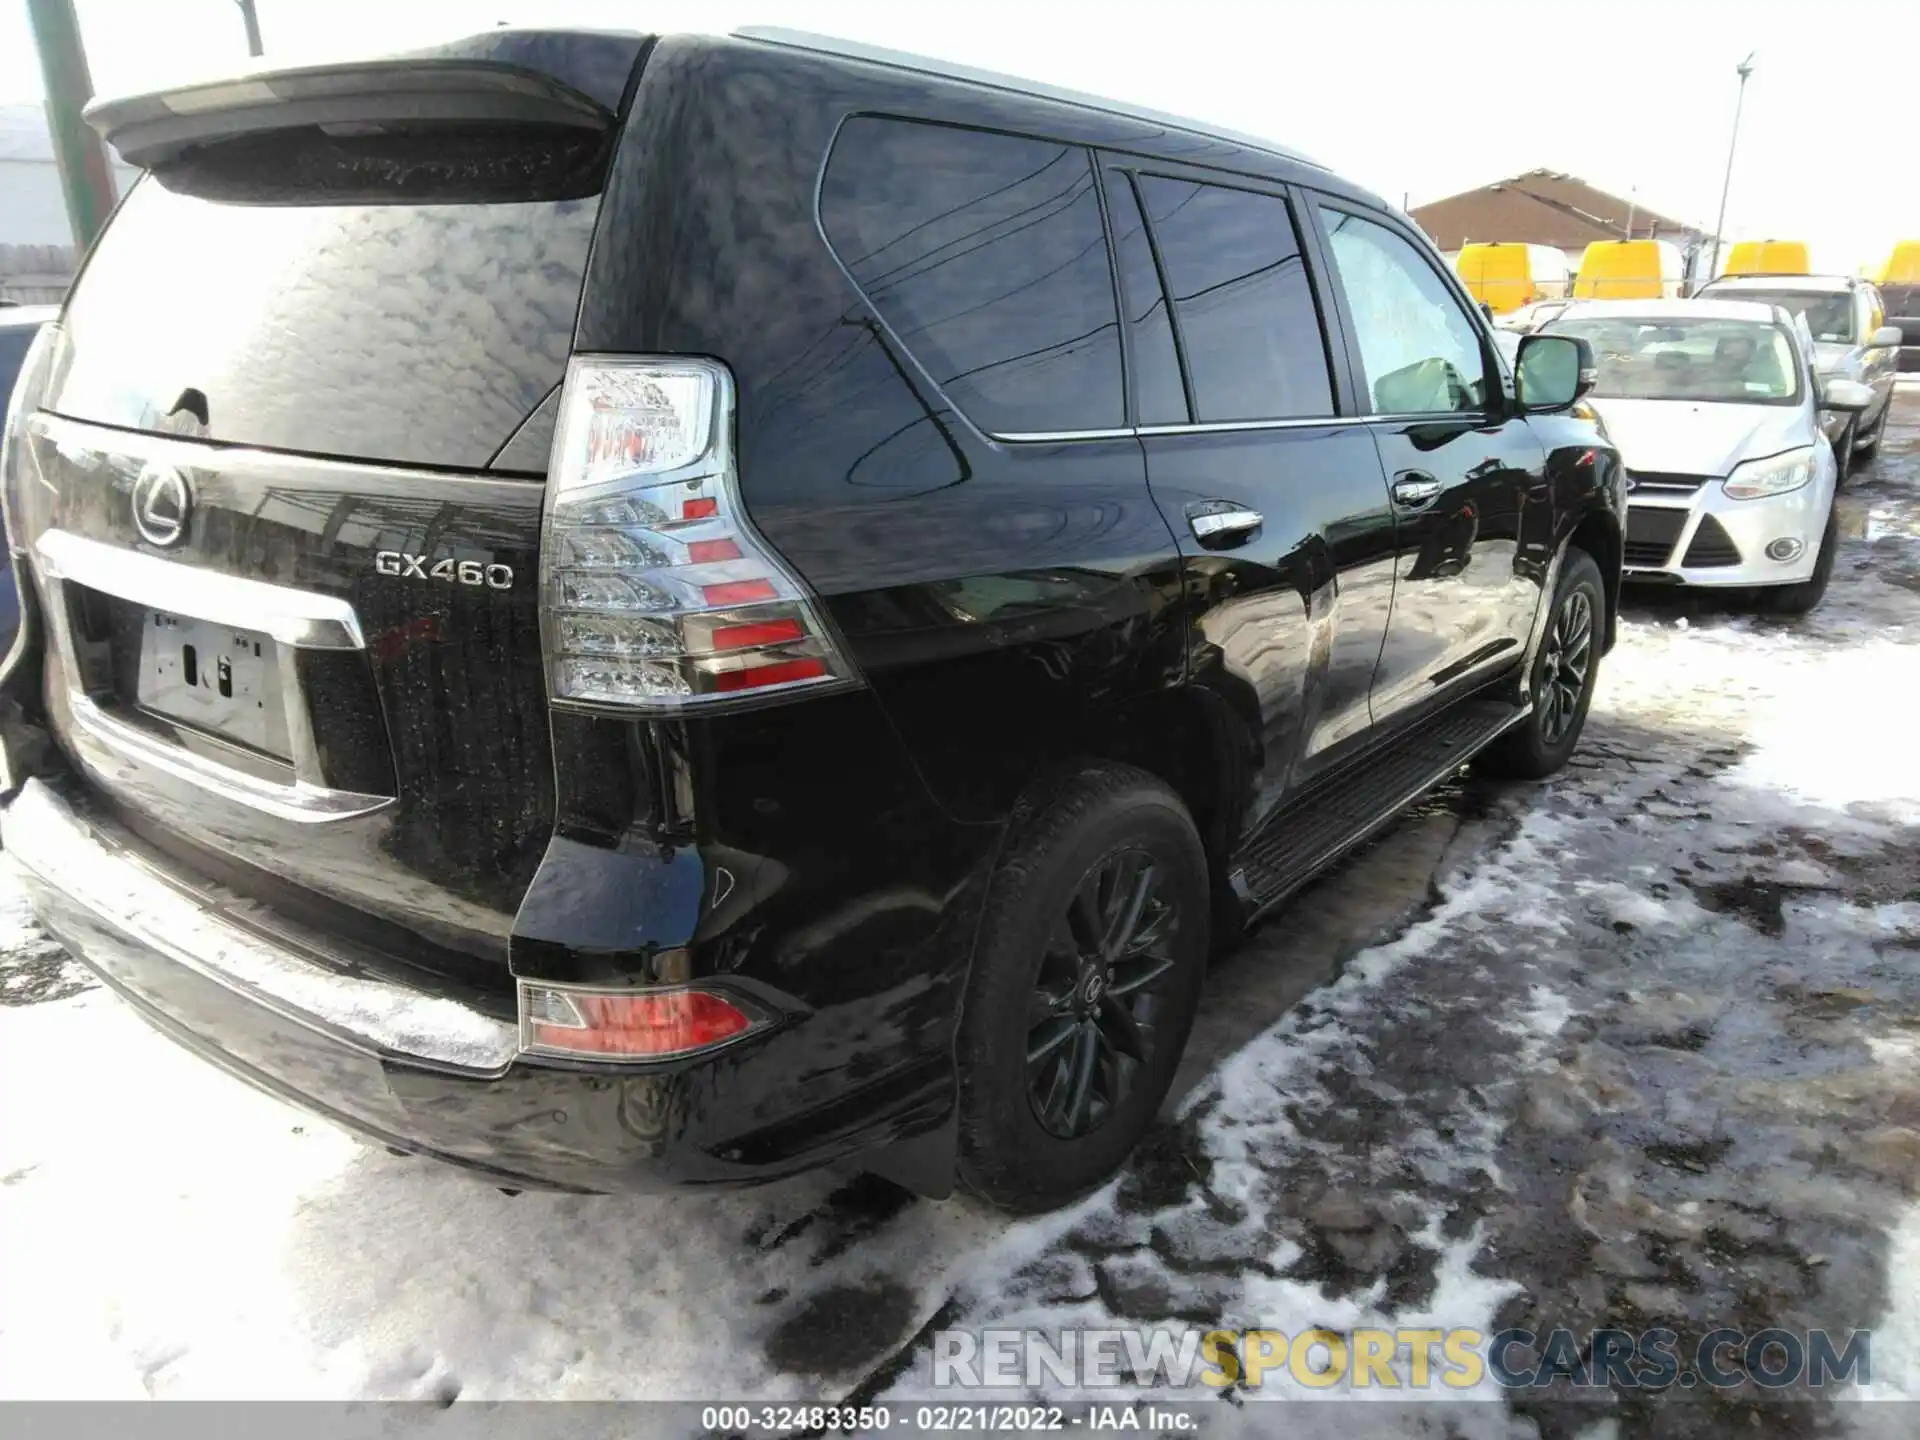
x=19, y=407
x=656, y=594
x=591, y=1024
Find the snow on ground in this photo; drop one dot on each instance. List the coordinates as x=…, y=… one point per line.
x=1649, y=1054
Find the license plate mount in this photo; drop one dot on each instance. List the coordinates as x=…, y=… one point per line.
x=215, y=678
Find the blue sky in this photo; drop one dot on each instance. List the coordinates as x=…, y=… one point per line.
x=1412, y=99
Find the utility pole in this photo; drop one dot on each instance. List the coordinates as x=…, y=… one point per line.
x=252, y=22
x=1743, y=70
x=85, y=179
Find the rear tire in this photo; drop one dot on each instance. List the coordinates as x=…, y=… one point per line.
x=1801, y=598
x=1084, y=984
x=1564, y=672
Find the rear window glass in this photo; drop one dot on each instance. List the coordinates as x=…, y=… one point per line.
x=1829, y=317
x=1241, y=299
x=415, y=333
x=985, y=255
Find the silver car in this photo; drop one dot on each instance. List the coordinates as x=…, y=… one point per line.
x=1851, y=341
x=1714, y=407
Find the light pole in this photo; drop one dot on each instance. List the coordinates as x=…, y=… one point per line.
x=1743, y=70
x=81, y=157
x=252, y=22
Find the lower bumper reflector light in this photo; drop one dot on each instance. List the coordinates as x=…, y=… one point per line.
x=626, y=1024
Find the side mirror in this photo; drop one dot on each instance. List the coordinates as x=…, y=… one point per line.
x=1848, y=395
x=1887, y=337
x=1552, y=372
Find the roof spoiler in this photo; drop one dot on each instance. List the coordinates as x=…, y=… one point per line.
x=150, y=129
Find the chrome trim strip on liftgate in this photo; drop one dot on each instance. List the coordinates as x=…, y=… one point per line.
x=294, y=619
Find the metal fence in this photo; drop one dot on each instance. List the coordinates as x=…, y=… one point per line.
x=35, y=274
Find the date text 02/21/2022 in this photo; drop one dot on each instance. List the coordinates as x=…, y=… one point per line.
x=945, y=1419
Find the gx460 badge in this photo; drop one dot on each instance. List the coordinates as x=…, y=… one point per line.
x=454, y=572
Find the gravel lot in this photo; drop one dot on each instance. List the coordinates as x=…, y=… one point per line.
x=1637, y=1047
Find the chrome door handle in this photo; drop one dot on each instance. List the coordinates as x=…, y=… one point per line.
x=1413, y=489
x=1220, y=529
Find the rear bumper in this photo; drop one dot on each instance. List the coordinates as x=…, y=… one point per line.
x=397, y=1065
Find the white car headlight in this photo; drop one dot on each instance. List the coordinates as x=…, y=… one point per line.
x=1776, y=475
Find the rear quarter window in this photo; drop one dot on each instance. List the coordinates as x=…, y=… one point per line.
x=985, y=255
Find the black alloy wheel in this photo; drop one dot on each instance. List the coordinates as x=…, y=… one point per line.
x=1086, y=973
x=1091, y=1021
x=1566, y=665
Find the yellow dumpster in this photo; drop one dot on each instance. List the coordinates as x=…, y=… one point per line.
x=1902, y=267
x=1628, y=270
x=1767, y=257
x=1505, y=277
x=1899, y=282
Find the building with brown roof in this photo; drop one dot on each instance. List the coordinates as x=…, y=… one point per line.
x=1547, y=207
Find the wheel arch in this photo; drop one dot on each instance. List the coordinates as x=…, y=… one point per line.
x=1190, y=738
x=1598, y=533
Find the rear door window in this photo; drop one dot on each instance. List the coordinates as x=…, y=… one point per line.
x=986, y=256
x=1159, y=396
x=1243, y=307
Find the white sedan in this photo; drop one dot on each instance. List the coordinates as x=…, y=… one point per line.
x=1716, y=412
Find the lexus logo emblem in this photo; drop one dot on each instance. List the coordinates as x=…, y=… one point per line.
x=161, y=504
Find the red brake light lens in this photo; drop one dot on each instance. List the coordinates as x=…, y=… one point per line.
x=707, y=552
x=738, y=592
x=780, y=672
x=626, y=1024
x=746, y=637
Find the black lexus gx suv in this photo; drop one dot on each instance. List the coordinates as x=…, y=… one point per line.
x=625, y=610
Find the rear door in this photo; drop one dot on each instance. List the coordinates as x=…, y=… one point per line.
x=1466, y=475
x=284, y=494
x=1274, y=493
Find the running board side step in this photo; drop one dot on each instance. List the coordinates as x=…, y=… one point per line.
x=1311, y=832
